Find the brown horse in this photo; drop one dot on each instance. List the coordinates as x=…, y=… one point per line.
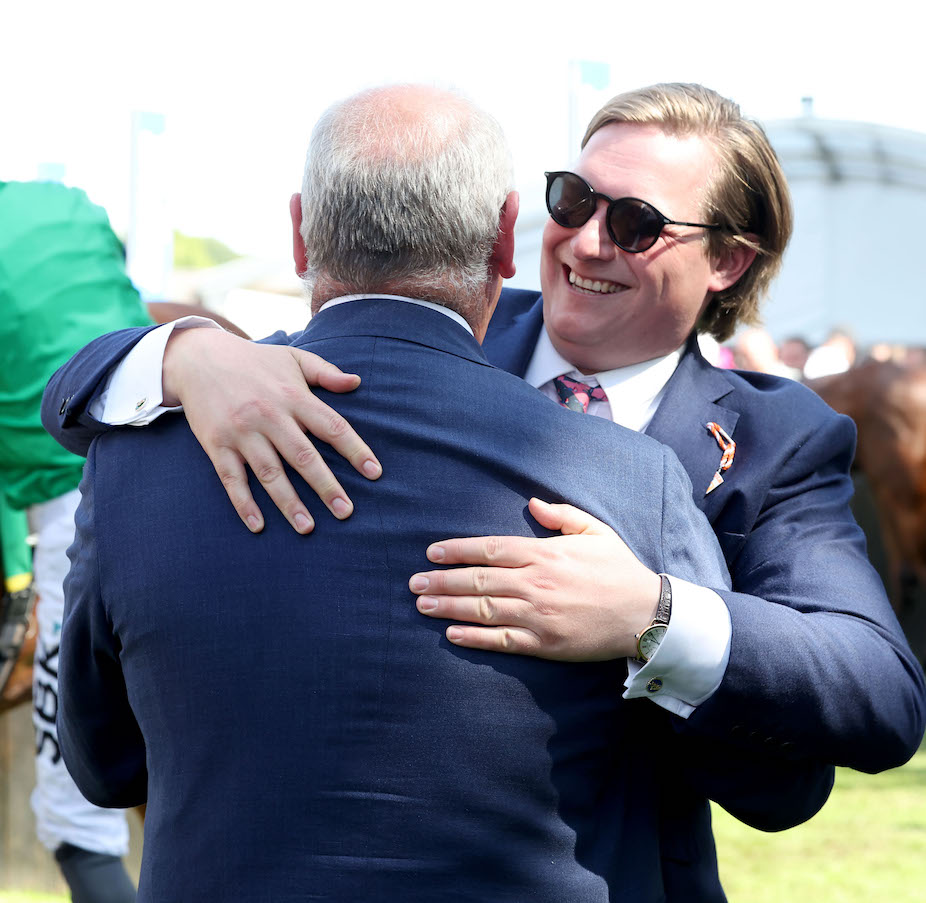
x=887, y=401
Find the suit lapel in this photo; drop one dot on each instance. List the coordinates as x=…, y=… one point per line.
x=690, y=403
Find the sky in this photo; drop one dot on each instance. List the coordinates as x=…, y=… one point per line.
x=240, y=85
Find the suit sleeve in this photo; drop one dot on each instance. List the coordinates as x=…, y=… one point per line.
x=75, y=385
x=819, y=666
x=689, y=547
x=761, y=788
x=99, y=737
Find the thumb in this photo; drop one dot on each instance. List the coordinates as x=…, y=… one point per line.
x=567, y=519
x=318, y=372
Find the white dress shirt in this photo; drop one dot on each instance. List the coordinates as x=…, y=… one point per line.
x=690, y=662
x=692, y=658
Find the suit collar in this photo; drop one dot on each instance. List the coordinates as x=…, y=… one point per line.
x=396, y=319
x=690, y=403
x=431, y=305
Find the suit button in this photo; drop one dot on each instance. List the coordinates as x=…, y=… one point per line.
x=654, y=685
x=736, y=730
x=786, y=745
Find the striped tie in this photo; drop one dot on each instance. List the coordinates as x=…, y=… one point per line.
x=576, y=395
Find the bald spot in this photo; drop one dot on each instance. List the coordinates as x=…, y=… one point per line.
x=408, y=121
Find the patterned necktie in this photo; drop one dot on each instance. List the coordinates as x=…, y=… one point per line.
x=576, y=395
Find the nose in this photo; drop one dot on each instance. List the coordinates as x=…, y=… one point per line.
x=591, y=241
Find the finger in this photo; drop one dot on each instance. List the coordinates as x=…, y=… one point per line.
x=319, y=372
x=500, y=583
x=231, y=472
x=566, y=518
x=297, y=450
x=514, y=640
x=264, y=461
x=499, y=551
x=488, y=610
x=325, y=423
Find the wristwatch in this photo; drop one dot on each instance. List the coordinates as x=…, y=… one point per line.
x=648, y=640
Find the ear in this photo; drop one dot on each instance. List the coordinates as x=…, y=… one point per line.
x=501, y=262
x=295, y=214
x=732, y=263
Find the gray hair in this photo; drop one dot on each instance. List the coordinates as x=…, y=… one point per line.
x=402, y=192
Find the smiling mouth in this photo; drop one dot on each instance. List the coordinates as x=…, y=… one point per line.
x=596, y=286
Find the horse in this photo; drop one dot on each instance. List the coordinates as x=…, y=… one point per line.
x=887, y=401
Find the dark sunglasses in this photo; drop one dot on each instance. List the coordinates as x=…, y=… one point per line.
x=633, y=225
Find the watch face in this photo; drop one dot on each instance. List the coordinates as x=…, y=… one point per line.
x=650, y=640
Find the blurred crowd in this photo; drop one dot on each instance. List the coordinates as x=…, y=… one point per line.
x=796, y=358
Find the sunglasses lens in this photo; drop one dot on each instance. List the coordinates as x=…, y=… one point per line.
x=634, y=224
x=569, y=200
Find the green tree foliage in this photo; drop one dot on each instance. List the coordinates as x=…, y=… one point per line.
x=191, y=253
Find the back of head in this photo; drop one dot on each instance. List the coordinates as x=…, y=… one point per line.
x=748, y=194
x=402, y=191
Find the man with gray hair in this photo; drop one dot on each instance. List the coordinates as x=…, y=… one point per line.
x=297, y=729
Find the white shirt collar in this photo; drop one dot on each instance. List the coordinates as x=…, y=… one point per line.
x=430, y=304
x=634, y=392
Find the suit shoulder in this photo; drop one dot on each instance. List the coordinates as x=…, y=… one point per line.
x=781, y=403
x=281, y=338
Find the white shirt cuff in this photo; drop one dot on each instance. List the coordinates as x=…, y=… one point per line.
x=132, y=394
x=690, y=662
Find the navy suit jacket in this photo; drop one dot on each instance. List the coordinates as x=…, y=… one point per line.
x=819, y=666
x=298, y=730
x=729, y=754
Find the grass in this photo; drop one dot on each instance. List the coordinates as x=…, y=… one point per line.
x=25, y=896
x=868, y=843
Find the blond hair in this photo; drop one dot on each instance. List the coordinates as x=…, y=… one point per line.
x=748, y=194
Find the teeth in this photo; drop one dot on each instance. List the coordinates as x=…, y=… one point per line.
x=597, y=285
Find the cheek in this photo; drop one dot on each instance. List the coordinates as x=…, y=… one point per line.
x=553, y=237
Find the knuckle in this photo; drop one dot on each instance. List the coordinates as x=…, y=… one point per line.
x=513, y=641
x=305, y=457
x=254, y=410
x=268, y=472
x=494, y=547
x=485, y=609
x=294, y=393
x=290, y=508
x=547, y=611
x=231, y=480
x=541, y=582
x=337, y=426
x=327, y=491
x=480, y=580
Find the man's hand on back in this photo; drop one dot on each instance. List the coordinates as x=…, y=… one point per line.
x=577, y=597
x=249, y=404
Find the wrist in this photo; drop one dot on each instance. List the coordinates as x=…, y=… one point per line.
x=185, y=343
x=650, y=637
